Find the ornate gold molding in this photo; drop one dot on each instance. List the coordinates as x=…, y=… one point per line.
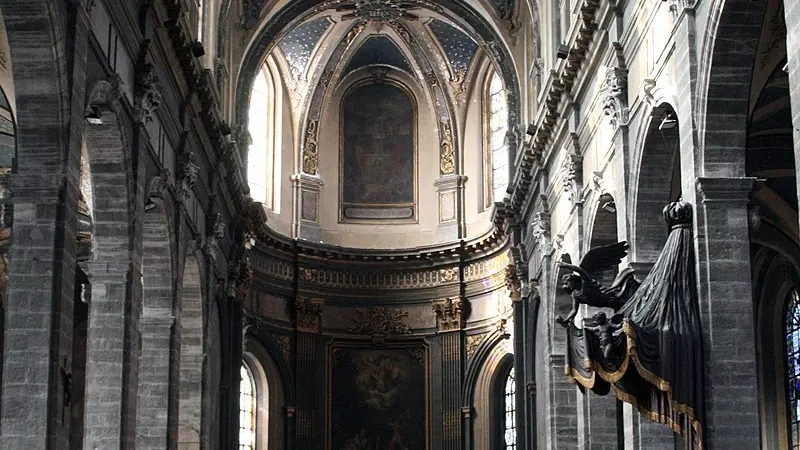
x=448, y=164
x=450, y=314
x=310, y=150
x=308, y=312
x=473, y=342
x=379, y=321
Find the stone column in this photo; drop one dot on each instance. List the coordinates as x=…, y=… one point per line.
x=726, y=310
x=308, y=312
x=152, y=412
x=792, y=14
x=450, y=320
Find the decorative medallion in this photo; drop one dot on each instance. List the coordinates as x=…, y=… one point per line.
x=448, y=166
x=380, y=12
x=448, y=275
x=379, y=321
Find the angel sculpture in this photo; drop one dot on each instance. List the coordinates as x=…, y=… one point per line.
x=584, y=288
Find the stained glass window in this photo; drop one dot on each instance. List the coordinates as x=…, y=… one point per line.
x=498, y=126
x=247, y=411
x=793, y=366
x=510, y=428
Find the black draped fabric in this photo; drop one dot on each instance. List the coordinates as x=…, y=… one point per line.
x=658, y=365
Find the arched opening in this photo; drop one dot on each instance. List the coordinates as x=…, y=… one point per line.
x=108, y=200
x=155, y=426
x=509, y=412
x=496, y=159
x=192, y=357
x=247, y=410
x=267, y=430
x=602, y=416
x=658, y=182
x=265, y=126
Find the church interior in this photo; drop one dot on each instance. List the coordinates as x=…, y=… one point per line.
x=399, y=224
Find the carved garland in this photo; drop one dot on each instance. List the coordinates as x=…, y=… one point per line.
x=310, y=152
x=448, y=165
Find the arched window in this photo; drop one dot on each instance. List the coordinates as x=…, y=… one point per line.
x=510, y=426
x=247, y=410
x=497, y=149
x=793, y=367
x=265, y=120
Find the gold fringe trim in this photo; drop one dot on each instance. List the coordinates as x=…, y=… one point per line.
x=658, y=382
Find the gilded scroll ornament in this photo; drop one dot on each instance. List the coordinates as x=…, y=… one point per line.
x=448, y=164
x=310, y=151
x=379, y=321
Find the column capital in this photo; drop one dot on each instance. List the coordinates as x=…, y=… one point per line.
x=725, y=189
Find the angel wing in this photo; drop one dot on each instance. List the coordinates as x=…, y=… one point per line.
x=600, y=259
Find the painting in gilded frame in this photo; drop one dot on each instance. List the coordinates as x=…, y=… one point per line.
x=378, y=154
x=378, y=398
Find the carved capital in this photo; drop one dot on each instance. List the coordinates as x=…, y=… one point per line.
x=146, y=94
x=447, y=157
x=308, y=314
x=572, y=176
x=187, y=176
x=450, y=314
x=615, y=96
x=379, y=321
x=512, y=283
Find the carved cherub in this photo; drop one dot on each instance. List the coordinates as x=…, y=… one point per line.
x=583, y=286
x=606, y=330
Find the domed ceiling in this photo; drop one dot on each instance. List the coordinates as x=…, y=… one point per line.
x=348, y=180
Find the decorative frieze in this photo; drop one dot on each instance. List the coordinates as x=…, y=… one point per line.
x=308, y=314
x=486, y=267
x=379, y=321
x=274, y=268
x=448, y=164
x=450, y=314
x=146, y=94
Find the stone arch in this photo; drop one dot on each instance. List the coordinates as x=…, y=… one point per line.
x=496, y=362
x=156, y=411
x=192, y=356
x=724, y=76
x=656, y=182
x=270, y=392
x=775, y=273
x=109, y=170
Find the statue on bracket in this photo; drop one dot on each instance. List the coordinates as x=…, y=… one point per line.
x=650, y=351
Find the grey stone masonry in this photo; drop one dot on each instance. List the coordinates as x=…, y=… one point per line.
x=792, y=12
x=726, y=309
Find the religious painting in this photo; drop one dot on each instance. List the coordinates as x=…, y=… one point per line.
x=378, y=160
x=378, y=398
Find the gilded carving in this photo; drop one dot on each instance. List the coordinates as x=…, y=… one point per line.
x=308, y=313
x=354, y=32
x=448, y=165
x=310, y=151
x=473, y=342
x=379, y=321
x=450, y=314
x=282, y=342
x=449, y=275
x=459, y=85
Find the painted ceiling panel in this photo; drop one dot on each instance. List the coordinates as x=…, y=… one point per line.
x=298, y=44
x=458, y=47
x=378, y=50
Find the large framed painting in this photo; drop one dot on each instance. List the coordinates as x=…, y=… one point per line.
x=378, y=158
x=378, y=397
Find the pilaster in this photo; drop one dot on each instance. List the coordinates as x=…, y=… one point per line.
x=450, y=189
x=450, y=318
x=307, y=192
